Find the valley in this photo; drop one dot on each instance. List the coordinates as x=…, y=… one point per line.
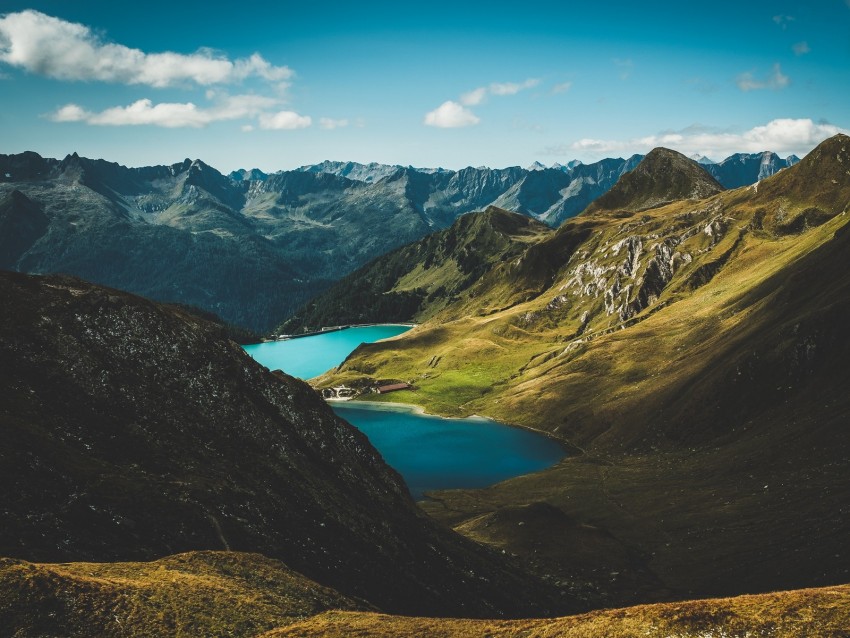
x=693, y=356
x=676, y=338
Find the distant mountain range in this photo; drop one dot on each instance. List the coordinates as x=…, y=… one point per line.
x=251, y=246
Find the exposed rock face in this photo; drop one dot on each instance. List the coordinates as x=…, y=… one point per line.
x=743, y=169
x=132, y=431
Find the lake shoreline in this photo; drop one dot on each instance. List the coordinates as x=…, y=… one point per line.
x=329, y=329
x=396, y=406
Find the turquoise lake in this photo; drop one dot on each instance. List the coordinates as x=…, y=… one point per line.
x=308, y=357
x=429, y=452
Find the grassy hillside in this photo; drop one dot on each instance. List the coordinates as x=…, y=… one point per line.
x=694, y=356
x=815, y=613
x=193, y=594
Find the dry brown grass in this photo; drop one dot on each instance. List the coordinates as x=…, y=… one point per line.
x=193, y=594
x=813, y=613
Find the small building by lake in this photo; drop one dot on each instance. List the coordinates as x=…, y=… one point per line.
x=392, y=387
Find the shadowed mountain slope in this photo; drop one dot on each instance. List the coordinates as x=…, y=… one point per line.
x=416, y=281
x=694, y=355
x=133, y=430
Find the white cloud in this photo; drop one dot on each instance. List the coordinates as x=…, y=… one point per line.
x=330, y=124
x=512, y=88
x=167, y=114
x=474, y=97
x=797, y=136
x=63, y=50
x=563, y=87
x=451, y=115
x=284, y=120
x=801, y=48
x=775, y=80
x=70, y=113
x=247, y=128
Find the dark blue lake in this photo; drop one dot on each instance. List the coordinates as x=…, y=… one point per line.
x=430, y=452
x=433, y=453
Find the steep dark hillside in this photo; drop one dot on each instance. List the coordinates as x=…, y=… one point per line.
x=131, y=431
x=663, y=176
x=416, y=281
x=21, y=224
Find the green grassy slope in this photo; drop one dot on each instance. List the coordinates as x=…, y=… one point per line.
x=694, y=356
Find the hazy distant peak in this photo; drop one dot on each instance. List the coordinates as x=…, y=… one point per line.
x=702, y=159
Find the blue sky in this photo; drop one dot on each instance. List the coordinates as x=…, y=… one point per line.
x=278, y=85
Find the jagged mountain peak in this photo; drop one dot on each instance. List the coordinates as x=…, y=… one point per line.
x=663, y=176
x=252, y=175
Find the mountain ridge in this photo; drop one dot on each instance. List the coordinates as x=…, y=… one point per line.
x=267, y=242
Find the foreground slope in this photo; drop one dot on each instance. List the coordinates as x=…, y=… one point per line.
x=694, y=356
x=815, y=613
x=197, y=593
x=245, y=595
x=133, y=430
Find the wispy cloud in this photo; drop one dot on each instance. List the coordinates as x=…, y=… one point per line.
x=783, y=20
x=451, y=115
x=330, y=124
x=774, y=80
x=781, y=136
x=802, y=48
x=563, y=87
x=474, y=97
x=512, y=88
x=626, y=65
x=167, y=114
x=55, y=48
